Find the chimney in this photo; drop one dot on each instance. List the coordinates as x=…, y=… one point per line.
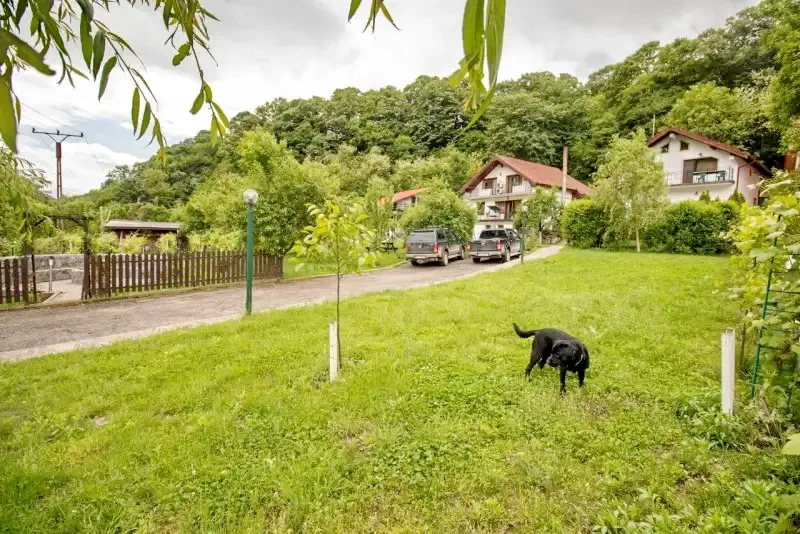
x=564, y=170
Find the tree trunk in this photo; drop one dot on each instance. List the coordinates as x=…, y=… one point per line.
x=638, y=244
x=338, y=322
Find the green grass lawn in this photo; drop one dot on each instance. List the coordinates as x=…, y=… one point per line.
x=431, y=427
x=383, y=259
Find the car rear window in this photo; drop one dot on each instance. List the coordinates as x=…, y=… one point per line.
x=422, y=237
x=493, y=234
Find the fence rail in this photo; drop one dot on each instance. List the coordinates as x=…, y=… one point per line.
x=111, y=274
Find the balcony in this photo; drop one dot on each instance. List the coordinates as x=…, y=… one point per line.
x=500, y=190
x=700, y=178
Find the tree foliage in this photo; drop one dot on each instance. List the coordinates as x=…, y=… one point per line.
x=543, y=215
x=338, y=241
x=630, y=186
x=441, y=207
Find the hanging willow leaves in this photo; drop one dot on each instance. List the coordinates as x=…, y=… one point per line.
x=135, y=110
x=98, y=51
x=145, y=120
x=109, y=66
x=86, y=41
x=8, y=120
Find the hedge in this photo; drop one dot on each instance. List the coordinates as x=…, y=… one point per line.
x=690, y=227
x=583, y=224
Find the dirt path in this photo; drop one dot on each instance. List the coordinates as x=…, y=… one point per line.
x=36, y=332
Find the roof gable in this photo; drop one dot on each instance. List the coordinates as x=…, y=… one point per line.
x=535, y=173
x=664, y=132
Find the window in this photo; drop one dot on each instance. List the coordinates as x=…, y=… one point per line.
x=489, y=183
x=665, y=148
x=500, y=226
x=684, y=145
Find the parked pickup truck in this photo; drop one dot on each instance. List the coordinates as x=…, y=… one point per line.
x=501, y=243
x=433, y=245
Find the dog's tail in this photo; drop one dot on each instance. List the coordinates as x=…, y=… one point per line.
x=523, y=333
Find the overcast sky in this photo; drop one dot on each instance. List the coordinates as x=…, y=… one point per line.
x=301, y=48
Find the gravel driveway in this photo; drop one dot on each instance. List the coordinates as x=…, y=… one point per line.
x=39, y=331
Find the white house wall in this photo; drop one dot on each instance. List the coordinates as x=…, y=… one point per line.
x=673, y=164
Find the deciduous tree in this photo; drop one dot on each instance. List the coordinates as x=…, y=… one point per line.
x=630, y=186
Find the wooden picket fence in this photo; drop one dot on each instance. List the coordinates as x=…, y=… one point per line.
x=15, y=283
x=111, y=274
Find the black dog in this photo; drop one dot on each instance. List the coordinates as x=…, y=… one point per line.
x=557, y=349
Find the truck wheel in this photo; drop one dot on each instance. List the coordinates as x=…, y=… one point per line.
x=476, y=260
x=445, y=259
x=414, y=263
x=506, y=256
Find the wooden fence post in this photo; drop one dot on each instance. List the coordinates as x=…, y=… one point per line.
x=728, y=370
x=334, y=350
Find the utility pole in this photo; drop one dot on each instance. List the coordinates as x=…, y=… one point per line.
x=63, y=137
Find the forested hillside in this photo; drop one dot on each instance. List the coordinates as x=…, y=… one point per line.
x=738, y=84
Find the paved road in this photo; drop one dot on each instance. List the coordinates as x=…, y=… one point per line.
x=39, y=331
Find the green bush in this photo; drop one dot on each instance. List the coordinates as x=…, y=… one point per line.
x=105, y=243
x=694, y=227
x=583, y=223
x=441, y=207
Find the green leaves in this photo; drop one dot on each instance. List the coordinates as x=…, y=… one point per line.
x=183, y=53
x=98, y=51
x=24, y=52
x=198, y=102
x=109, y=66
x=482, y=34
x=376, y=6
x=792, y=447
x=135, y=109
x=145, y=120
x=86, y=41
x=8, y=118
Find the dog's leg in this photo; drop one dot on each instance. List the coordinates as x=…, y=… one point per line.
x=537, y=356
x=563, y=370
x=581, y=375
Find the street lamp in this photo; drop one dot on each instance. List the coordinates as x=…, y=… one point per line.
x=524, y=231
x=250, y=198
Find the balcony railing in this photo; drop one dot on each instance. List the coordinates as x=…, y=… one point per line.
x=705, y=177
x=500, y=190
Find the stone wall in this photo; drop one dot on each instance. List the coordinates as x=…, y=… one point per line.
x=65, y=267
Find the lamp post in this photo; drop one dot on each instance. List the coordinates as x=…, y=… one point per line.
x=524, y=231
x=250, y=197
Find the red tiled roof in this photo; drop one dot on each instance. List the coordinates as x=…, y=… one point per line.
x=536, y=173
x=402, y=195
x=710, y=142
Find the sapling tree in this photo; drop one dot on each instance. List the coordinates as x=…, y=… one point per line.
x=337, y=242
x=544, y=213
x=630, y=185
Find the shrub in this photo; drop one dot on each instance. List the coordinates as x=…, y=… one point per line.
x=167, y=243
x=133, y=244
x=694, y=227
x=441, y=207
x=584, y=223
x=105, y=243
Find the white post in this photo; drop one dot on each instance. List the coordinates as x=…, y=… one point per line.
x=334, y=350
x=728, y=370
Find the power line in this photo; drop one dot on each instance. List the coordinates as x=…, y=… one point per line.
x=49, y=118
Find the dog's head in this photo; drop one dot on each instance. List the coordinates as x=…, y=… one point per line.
x=565, y=352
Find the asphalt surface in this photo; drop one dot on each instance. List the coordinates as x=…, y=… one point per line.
x=39, y=331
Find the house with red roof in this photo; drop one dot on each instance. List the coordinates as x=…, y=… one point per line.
x=498, y=190
x=695, y=164
x=404, y=199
